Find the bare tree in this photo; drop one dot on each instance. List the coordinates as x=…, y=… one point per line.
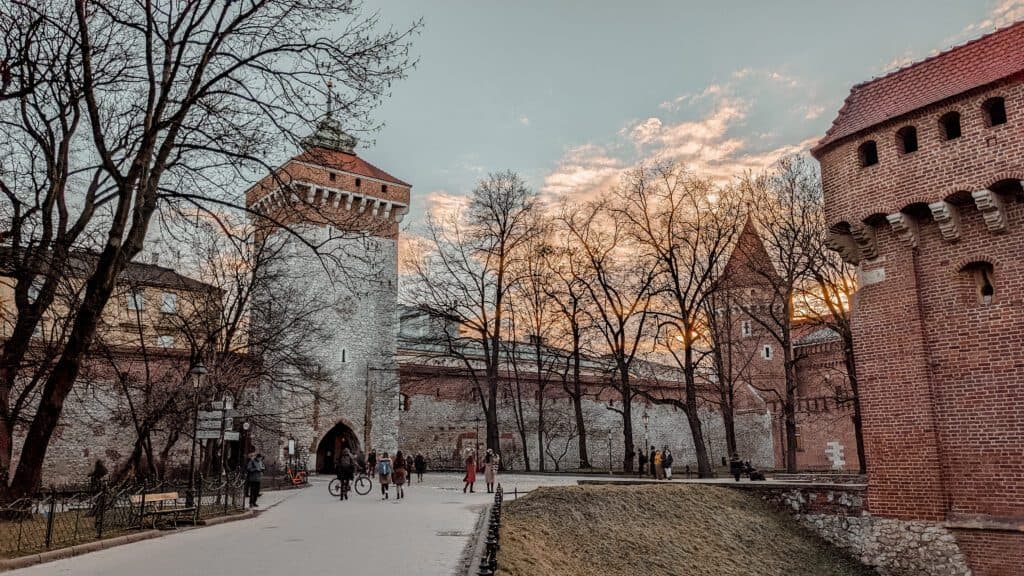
x=568, y=293
x=784, y=208
x=465, y=277
x=132, y=108
x=620, y=292
x=537, y=317
x=687, y=226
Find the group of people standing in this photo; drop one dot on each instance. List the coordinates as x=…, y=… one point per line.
x=397, y=471
x=489, y=466
x=660, y=463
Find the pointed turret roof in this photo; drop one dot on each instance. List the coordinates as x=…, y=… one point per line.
x=748, y=255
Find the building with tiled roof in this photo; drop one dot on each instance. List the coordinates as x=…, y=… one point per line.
x=946, y=75
x=330, y=198
x=922, y=173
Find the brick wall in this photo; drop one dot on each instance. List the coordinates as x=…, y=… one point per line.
x=941, y=369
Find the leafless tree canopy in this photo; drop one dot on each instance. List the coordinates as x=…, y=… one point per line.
x=118, y=111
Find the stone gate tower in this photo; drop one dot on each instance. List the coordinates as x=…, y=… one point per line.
x=922, y=173
x=347, y=395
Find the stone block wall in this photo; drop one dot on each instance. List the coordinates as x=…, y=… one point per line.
x=837, y=513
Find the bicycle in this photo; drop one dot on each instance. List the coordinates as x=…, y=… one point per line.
x=362, y=485
x=297, y=478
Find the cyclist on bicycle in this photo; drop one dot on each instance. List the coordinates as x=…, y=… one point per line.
x=346, y=471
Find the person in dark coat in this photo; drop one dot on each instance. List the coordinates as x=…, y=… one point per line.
x=420, y=464
x=254, y=477
x=346, y=471
x=654, y=471
x=735, y=466
x=99, y=471
x=642, y=458
x=371, y=462
x=410, y=465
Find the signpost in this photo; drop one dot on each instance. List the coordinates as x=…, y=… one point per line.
x=216, y=424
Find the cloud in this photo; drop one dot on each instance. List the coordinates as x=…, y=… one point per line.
x=812, y=111
x=1004, y=13
x=524, y=120
x=585, y=170
x=441, y=204
x=714, y=137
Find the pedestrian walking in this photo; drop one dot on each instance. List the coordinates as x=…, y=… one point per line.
x=253, y=477
x=400, y=475
x=657, y=465
x=735, y=466
x=346, y=470
x=650, y=461
x=409, y=467
x=666, y=463
x=491, y=463
x=421, y=466
x=642, y=460
x=371, y=462
x=470, y=477
x=384, y=469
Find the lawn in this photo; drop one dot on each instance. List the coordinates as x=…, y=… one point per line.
x=659, y=530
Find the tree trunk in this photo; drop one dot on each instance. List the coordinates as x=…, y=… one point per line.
x=728, y=416
x=58, y=385
x=692, y=417
x=540, y=409
x=789, y=407
x=577, y=402
x=6, y=453
x=627, y=421
x=858, y=425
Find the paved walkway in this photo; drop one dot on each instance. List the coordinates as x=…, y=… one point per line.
x=309, y=533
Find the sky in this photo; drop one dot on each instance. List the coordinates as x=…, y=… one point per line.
x=569, y=92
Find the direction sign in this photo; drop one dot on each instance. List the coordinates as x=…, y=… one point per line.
x=231, y=436
x=210, y=414
x=208, y=435
x=209, y=424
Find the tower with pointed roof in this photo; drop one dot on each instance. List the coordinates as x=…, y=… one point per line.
x=329, y=197
x=922, y=172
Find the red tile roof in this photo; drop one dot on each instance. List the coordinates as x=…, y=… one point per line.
x=346, y=163
x=977, y=63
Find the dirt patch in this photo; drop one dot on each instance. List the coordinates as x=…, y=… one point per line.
x=655, y=530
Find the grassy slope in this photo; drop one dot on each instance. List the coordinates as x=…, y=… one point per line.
x=655, y=530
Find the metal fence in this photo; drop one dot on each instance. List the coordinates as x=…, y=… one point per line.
x=60, y=517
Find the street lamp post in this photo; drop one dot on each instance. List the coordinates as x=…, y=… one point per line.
x=196, y=373
x=647, y=419
x=476, y=441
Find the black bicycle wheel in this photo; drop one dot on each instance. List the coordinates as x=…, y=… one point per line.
x=363, y=485
x=334, y=487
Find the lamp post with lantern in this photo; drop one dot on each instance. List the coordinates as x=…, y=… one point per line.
x=647, y=420
x=197, y=372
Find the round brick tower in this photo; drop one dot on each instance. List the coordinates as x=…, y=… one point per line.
x=350, y=209
x=922, y=173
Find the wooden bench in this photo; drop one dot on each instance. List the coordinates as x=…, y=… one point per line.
x=162, y=505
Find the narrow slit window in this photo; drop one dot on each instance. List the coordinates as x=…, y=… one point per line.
x=949, y=125
x=995, y=111
x=868, y=154
x=906, y=140
x=982, y=281
x=766, y=352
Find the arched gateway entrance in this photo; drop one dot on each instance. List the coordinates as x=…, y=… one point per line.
x=330, y=447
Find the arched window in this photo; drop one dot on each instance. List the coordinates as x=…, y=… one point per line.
x=949, y=125
x=982, y=280
x=994, y=110
x=868, y=153
x=906, y=140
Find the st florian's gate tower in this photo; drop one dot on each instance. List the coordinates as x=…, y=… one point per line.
x=342, y=389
